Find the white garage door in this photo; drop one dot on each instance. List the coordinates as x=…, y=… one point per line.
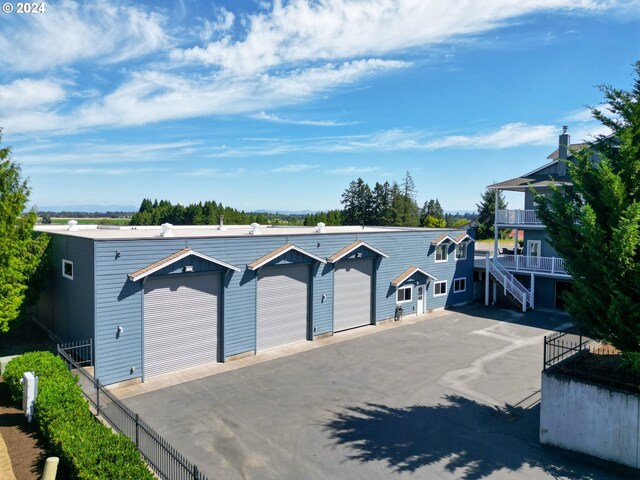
x=352, y=294
x=282, y=305
x=180, y=322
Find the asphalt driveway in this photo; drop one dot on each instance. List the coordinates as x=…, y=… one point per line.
x=454, y=396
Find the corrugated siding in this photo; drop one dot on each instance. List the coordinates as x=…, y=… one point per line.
x=119, y=301
x=352, y=293
x=282, y=306
x=67, y=306
x=180, y=322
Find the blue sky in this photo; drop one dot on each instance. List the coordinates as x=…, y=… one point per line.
x=278, y=105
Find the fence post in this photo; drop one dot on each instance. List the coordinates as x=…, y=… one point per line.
x=97, y=396
x=137, y=429
x=196, y=473
x=544, y=361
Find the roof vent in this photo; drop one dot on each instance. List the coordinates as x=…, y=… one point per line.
x=320, y=228
x=73, y=225
x=255, y=229
x=166, y=230
x=221, y=226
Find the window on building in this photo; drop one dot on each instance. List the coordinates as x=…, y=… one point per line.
x=441, y=253
x=459, y=285
x=440, y=288
x=403, y=294
x=67, y=269
x=461, y=251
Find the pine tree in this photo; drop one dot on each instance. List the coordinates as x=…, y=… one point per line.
x=357, y=201
x=20, y=249
x=595, y=226
x=486, y=213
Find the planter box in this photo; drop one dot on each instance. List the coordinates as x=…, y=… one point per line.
x=594, y=419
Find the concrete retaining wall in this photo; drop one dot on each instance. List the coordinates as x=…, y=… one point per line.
x=589, y=418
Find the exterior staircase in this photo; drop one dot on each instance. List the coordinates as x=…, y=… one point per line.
x=509, y=283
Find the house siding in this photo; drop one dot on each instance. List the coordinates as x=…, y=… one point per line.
x=67, y=307
x=547, y=249
x=120, y=302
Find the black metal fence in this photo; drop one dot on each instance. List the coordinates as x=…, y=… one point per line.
x=562, y=345
x=165, y=461
x=578, y=356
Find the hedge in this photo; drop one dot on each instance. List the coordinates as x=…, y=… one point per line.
x=88, y=449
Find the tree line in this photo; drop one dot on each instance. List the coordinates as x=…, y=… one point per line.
x=387, y=204
x=207, y=213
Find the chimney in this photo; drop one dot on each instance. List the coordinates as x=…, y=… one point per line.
x=166, y=230
x=221, y=226
x=73, y=225
x=255, y=229
x=320, y=228
x=563, y=144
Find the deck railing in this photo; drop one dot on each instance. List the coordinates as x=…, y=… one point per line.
x=518, y=217
x=526, y=263
x=509, y=282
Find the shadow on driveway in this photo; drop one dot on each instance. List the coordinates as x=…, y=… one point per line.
x=472, y=440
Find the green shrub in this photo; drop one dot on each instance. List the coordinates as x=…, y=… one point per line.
x=44, y=365
x=88, y=450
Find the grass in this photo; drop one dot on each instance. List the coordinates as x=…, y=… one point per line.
x=92, y=221
x=501, y=242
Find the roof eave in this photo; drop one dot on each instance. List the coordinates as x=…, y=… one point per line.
x=254, y=266
x=134, y=278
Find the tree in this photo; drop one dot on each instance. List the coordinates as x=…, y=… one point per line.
x=487, y=213
x=595, y=226
x=20, y=249
x=381, y=204
x=357, y=201
x=432, y=215
x=407, y=206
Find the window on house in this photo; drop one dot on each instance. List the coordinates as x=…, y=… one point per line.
x=403, y=294
x=461, y=251
x=459, y=285
x=441, y=253
x=440, y=288
x=67, y=269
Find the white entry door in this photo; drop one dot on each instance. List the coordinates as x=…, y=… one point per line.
x=422, y=299
x=534, y=252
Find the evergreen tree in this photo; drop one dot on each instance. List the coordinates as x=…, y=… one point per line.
x=381, y=204
x=20, y=249
x=410, y=212
x=357, y=201
x=486, y=213
x=595, y=226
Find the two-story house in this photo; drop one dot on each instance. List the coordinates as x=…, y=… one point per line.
x=533, y=273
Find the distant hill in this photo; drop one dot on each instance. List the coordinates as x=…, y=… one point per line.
x=87, y=208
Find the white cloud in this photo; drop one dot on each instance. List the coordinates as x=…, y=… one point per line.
x=270, y=117
x=153, y=96
x=507, y=136
x=70, y=31
x=94, y=171
x=95, y=153
x=301, y=31
x=352, y=170
x=295, y=168
x=26, y=93
x=213, y=172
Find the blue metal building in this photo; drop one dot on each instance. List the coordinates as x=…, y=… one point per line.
x=157, y=300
